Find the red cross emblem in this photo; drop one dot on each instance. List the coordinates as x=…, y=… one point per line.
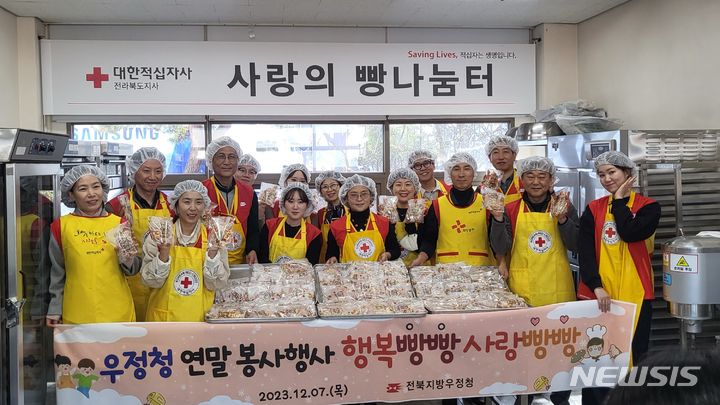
x=392, y=388
x=97, y=77
x=458, y=227
x=364, y=247
x=540, y=241
x=186, y=282
x=609, y=233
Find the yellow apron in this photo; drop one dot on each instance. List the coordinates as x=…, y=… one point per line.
x=616, y=267
x=95, y=288
x=183, y=297
x=140, y=226
x=539, y=268
x=364, y=246
x=406, y=256
x=463, y=234
x=236, y=249
x=513, y=192
x=282, y=246
x=440, y=186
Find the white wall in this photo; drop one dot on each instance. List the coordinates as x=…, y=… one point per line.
x=9, y=111
x=29, y=90
x=654, y=63
x=557, y=68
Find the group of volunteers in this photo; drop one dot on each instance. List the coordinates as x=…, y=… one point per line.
x=91, y=283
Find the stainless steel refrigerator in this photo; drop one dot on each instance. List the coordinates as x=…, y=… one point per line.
x=29, y=180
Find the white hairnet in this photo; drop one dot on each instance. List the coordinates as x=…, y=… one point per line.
x=249, y=160
x=539, y=163
x=297, y=186
x=501, y=140
x=74, y=174
x=330, y=174
x=615, y=158
x=357, y=180
x=403, y=173
x=456, y=159
x=142, y=155
x=218, y=144
x=185, y=186
x=420, y=154
x=289, y=170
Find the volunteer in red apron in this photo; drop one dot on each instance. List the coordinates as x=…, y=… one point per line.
x=233, y=198
x=146, y=170
x=329, y=184
x=616, y=242
x=422, y=162
x=361, y=235
x=502, y=151
x=87, y=278
x=539, y=267
x=291, y=237
x=294, y=173
x=404, y=184
x=457, y=227
x=617, y=234
x=248, y=169
x=184, y=275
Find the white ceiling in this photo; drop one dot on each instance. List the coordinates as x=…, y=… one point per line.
x=354, y=13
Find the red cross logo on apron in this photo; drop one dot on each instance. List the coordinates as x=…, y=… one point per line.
x=540, y=241
x=609, y=233
x=186, y=282
x=364, y=248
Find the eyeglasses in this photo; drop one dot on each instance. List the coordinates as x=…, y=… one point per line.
x=222, y=157
x=333, y=186
x=359, y=196
x=423, y=165
x=251, y=172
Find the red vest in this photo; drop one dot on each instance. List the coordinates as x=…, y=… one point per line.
x=245, y=198
x=312, y=231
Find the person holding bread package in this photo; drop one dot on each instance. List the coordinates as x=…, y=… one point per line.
x=407, y=211
x=361, y=235
x=146, y=170
x=329, y=184
x=233, y=198
x=502, y=151
x=290, y=236
x=544, y=227
x=87, y=277
x=183, y=263
x=462, y=226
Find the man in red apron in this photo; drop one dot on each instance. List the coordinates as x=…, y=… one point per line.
x=458, y=228
x=616, y=240
x=146, y=170
x=422, y=162
x=233, y=198
x=361, y=235
x=502, y=151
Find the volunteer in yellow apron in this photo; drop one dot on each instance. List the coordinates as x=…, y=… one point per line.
x=291, y=237
x=404, y=185
x=422, y=162
x=457, y=227
x=233, y=198
x=294, y=173
x=361, y=235
x=539, y=268
x=184, y=275
x=616, y=243
x=87, y=283
x=146, y=170
x=502, y=151
x=329, y=184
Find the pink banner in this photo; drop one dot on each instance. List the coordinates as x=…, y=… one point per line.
x=348, y=361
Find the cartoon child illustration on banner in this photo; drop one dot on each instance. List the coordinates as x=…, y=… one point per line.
x=85, y=377
x=64, y=378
